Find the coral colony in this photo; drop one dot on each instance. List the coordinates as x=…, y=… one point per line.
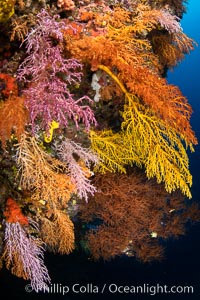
x=92, y=135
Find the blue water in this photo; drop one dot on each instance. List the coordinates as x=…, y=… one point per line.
x=182, y=263
x=187, y=76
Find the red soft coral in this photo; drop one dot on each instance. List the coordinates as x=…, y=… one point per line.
x=13, y=213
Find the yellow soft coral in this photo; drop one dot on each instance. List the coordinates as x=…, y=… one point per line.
x=112, y=152
x=158, y=145
x=145, y=140
x=6, y=10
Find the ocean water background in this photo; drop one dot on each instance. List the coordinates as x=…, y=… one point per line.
x=187, y=76
x=182, y=263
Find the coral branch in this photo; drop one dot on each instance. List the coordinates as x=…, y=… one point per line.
x=49, y=75
x=23, y=253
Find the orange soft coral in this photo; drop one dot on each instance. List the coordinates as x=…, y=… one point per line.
x=13, y=118
x=66, y=4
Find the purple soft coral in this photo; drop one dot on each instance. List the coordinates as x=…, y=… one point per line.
x=48, y=75
x=169, y=22
x=27, y=251
x=67, y=151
